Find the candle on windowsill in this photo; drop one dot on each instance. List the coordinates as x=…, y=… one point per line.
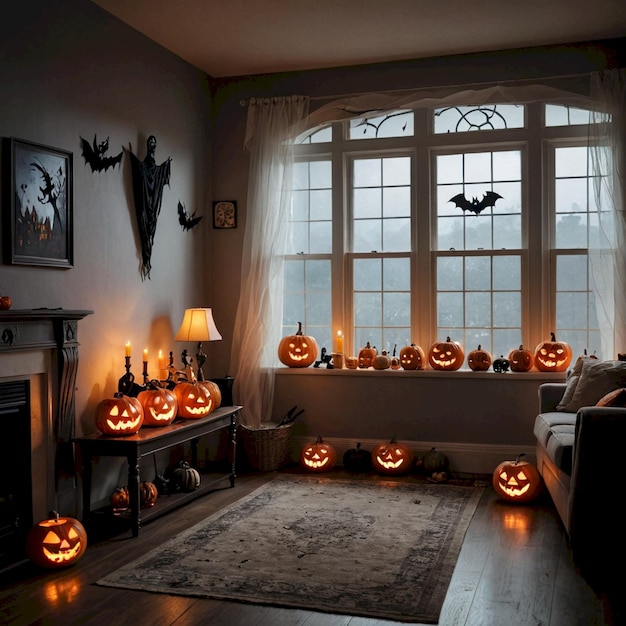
x=339, y=342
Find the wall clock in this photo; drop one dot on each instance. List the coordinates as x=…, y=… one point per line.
x=225, y=214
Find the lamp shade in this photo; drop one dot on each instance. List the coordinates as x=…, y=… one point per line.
x=198, y=325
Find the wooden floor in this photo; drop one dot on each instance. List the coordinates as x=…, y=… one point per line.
x=514, y=569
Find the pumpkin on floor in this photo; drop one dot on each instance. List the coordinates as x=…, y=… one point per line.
x=446, y=355
x=357, y=459
x=517, y=481
x=392, y=457
x=56, y=542
x=297, y=350
x=119, y=416
x=318, y=456
x=431, y=462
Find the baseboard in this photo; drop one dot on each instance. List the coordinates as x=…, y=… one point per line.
x=467, y=458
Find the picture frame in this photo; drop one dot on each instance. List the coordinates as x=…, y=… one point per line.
x=38, y=204
x=225, y=214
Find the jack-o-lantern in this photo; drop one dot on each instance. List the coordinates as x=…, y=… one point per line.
x=392, y=457
x=119, y=416
x=297, y=350
x=194, y=400
x=412, y=357
x=318, y=456
x=517, y=481
x=366, y=356
x=159, y=405
x=479, y=360
x=521, y=360
x=446, y=355
x=553, y=355
x=214, y=390
x=381, y=361
x=56, y=542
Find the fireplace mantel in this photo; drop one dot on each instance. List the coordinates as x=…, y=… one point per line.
x=54, y=331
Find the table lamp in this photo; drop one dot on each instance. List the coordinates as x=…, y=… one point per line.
x=198, y=325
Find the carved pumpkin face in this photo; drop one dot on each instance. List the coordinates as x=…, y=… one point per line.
x=194, y=400
x=521, y=360
x=366, y=356
x=392, y=458
x=119, y=416
x=412, y=357
x=318, y=456
x=553, y=355
x=446, y=355
x=479, y=360
x=56, y=542
x=517, y=481
x=159, y=406
x=297, y=350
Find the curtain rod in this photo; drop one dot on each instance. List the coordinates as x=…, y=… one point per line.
x=244, y=103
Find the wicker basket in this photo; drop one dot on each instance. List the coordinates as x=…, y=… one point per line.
x=267, y=448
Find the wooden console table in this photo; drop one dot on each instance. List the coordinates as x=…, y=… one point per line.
x=152, y=440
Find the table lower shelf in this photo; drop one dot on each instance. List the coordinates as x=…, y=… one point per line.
x=105, y=521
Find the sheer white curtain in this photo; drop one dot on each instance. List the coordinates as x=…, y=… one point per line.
x=607, y=258
x=273, y=125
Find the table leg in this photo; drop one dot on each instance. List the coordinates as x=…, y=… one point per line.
x=232, y=430
x=133, y=493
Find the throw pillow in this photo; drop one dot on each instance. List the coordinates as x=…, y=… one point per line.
x=597, y=378
x=573, y=376
x=617, y=397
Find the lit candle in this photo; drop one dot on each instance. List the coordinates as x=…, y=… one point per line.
x=127, y=353
x=145, y=355
x=339, y=342
x=161, y=360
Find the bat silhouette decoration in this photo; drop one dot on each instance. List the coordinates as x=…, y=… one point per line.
x=474, y=205
x=187, y=221
x=95, y=155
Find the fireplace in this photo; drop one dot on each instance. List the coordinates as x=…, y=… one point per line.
x=38, y=365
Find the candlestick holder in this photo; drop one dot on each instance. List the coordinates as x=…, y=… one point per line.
x=145, y=373
x=126, y=384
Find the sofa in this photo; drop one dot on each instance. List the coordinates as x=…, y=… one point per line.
x=580, y=439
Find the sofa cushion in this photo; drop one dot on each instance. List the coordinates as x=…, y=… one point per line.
x=597, y=378
x=617, y=397
x=555, y=432
x=573, y=376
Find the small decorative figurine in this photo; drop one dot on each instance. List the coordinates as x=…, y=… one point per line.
x=326, y=360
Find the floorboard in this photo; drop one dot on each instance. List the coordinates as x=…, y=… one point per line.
x=515, y=569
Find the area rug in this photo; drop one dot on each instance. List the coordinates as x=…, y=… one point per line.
x=384, y=549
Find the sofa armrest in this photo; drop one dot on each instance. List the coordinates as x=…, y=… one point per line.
x=550, y=395
x=596, y=524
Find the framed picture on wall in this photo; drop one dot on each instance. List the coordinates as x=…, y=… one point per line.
x=225, y=214
x=38, y=204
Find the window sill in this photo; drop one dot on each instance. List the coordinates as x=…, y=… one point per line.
x=533, y=375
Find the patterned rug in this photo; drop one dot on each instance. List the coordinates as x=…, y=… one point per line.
x=383, y=549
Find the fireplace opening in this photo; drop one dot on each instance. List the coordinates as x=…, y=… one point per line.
x=16, y=511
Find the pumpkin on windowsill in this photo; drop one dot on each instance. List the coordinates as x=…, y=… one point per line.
x=479, y=360
x=56, y=542
x=446, y=355
x=521, y=360
x=553, y=355
x=366, y=356
x=297, y=350
x=412, y=357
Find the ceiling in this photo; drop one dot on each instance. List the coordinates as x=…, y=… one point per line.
x=227, y=38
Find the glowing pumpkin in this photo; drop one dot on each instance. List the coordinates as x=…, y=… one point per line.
x=366, y=356
x=479, y=360
x=412, y=357
x=392, y=458
x=553, y=355
x=159, y=406
x=517, y=481
x=297, y=350
x=119, y=416
x=56, y=542
x=214, y=390
x=318, y=456
x=194, y=400
x=446, y=355
x=521, y=360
